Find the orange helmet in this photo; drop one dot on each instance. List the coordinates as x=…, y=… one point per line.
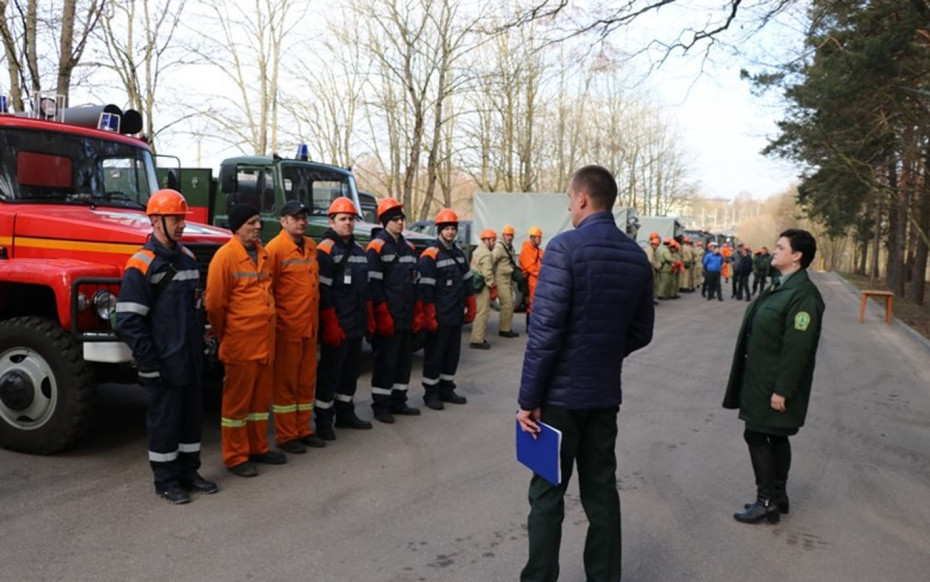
x=388, y=204
x=166, y=201
x=686, y=240
x=508, y=229
x=668, y=241
x=488, y=233
x=535, y=231
x=447, y=216
x=653, y=235
x=342, y=205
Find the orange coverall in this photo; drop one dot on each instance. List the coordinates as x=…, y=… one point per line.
x=295, y=275
x=530, y=262
x=240, y=307
x=727, y=253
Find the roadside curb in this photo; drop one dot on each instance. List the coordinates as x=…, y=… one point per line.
x=908, y=330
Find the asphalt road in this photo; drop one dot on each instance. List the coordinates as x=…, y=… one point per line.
x=440, y=497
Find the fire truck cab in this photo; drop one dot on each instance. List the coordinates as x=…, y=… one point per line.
x=73, y=191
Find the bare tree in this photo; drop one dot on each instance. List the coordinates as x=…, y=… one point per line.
x=248, y=50
x=22, y=31
x=140, y=46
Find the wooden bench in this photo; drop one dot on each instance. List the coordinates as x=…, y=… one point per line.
x=889, y=302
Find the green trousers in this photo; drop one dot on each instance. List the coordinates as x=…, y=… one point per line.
x=589, y=438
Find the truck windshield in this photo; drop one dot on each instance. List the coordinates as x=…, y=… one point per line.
x=316, y=187
x=57, y=167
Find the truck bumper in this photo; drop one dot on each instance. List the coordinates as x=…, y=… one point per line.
x=107, y=352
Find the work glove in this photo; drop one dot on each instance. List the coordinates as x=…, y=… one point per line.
x=493, y=291
x=384, y=323
x=470, y=309
x=429, y=317
x=331, y=331
x=371, y=324
x=419, y=317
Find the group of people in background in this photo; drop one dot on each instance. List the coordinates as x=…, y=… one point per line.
x=499, y=272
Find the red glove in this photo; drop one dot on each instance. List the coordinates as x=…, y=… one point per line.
x=493, y=292
x=429, y=317
x=332, y=333
x=371, y=323
x=418, y=316
x=470, y=309
x=384, y=323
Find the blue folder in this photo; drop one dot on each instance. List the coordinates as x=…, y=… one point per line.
x=542, y=454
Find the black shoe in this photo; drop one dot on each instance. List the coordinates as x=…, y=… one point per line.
x=199, y=485
x=763, y=509
x=352, y=422
x=325, y=432
x=484, y=345
x=720, y=299
x=434, y=403
x=782, y=504
x=243, y=470
x=510, y=333
x=294, y=447
x=384, y=416
x=175, y=495
x=314, y=441
x=269, y=458
x=405, y=411
x=453, y=398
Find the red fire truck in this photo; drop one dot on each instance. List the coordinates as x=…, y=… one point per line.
x=73, y=190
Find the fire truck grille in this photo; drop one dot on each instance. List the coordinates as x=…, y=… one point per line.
x=204, y=254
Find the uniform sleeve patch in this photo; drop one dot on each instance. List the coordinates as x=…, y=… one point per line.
x=802, y=321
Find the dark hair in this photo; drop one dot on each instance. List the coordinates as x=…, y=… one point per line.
x=598, y=183
x=801, y=242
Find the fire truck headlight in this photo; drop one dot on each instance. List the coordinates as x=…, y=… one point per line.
x=104, y=304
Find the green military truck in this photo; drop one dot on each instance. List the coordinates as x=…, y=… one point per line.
x=267, y=182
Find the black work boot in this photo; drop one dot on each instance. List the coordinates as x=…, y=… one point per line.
x=431, y=398
x=447, y=393
x=346, y=417
x=324, y=424
x=175, y=494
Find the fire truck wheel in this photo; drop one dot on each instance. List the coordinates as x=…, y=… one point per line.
x=46, y=388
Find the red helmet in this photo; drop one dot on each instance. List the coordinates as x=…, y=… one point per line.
x=488, y=233
x=166, y=201
x=447, y=216
x=342, y=205
x=388, y=204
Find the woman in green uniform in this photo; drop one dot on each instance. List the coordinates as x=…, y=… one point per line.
x=772, y=371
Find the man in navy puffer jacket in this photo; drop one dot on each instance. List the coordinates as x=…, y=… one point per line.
x=593, y=307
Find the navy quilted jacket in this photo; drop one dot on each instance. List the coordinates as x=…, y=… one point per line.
x=593, y=307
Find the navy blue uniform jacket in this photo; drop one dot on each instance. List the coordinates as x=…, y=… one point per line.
x=593, y=307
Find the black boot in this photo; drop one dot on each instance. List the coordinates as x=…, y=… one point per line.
x=431, y=397
x=324, y=424
x=346, y=417
x=447, y=393
x=762, y=509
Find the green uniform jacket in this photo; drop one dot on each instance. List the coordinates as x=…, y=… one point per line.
x=775, y=352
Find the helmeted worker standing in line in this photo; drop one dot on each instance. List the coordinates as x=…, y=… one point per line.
x=392, y=273
x=650, y=249
x=530, y=261
x=158, y=314
x=240, y=307
x=698, y=266
x=482, y=263
x=345, y=317
x=664, y=260
x=504, y=265
x=687, y=256
x=447, y=295
x=296, y=281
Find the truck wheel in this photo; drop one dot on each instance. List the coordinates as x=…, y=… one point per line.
x=46, y=388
